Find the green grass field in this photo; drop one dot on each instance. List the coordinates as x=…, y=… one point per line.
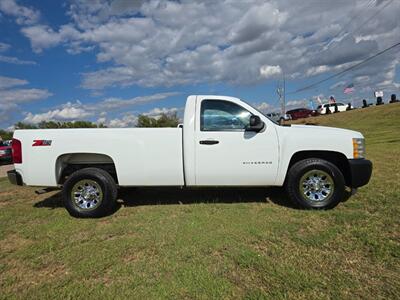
x=244, y=243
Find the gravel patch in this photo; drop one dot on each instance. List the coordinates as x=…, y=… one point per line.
x=4, y=169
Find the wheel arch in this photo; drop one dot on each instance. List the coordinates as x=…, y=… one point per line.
x=337, y=158
x=67, y=163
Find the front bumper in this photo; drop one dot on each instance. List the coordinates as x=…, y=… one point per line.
x=360, y=170
x=14, y=177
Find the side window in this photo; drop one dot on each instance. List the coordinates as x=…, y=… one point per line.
x=219, y=115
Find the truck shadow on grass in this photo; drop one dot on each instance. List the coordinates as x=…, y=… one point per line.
x=166, y=196
x=130, y=197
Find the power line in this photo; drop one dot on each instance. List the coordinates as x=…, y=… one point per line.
x=373, y=15
x=343, y=30
x=345, y=70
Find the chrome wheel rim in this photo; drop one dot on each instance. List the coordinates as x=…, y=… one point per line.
x=86, y=194
x=316, y=186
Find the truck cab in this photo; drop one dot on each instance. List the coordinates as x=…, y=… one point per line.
x=223, y=147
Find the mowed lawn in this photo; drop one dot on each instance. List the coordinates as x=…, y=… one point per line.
x=240, y=243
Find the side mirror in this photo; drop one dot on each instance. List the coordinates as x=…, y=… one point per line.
x=256, y=124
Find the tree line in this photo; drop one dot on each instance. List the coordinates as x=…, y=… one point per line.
x=164, y=120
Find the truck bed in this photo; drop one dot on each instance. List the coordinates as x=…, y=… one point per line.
x=145, y=156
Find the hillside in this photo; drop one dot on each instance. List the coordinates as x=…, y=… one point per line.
x=379, y=124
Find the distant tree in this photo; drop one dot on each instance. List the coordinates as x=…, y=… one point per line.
x=170, y=120
x=81, y=124
x=56, y=125
x=21, y=125
x=6, y=135
x=145, y=121
x=48, y=125
x=165, y=120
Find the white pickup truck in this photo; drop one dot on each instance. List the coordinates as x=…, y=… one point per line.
x=223, y=142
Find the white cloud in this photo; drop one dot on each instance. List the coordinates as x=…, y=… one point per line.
x=338, y=84
x=270, y=71
x=80, y=111
x=4, y=47
x=129, y=120
x=118, y=103
x=157, y=111
x=68, y=112
x=153, y=43
x=15, y=60
x=296, y=104
x=8, y=82
x=10, y=59
x=6, y=109
x=19, y=96
x=24, y=15
x=265, y=107
x=317, y=70
x=41, y=36
x=109, y=77
x=257, y=20
x=174, y=43
x=12, y=97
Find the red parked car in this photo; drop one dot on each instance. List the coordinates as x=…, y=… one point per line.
x=299, y=113
x=5, y=151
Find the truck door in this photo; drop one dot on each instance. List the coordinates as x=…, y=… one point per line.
x=227, y=154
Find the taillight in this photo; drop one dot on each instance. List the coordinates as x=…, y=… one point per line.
x=16, y=151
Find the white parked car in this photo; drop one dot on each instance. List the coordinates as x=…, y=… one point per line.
x=278, y=117
x=341, y=107
x=223, y=142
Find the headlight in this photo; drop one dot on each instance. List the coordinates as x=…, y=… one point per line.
x=358, y=148
x=2, y=152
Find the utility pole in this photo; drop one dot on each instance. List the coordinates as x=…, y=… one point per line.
x=284, y=94
x=281, y=91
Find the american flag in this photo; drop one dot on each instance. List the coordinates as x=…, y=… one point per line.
x=349, y=89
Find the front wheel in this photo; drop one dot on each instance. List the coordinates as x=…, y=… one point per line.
x=315, y=184
x=90, y=193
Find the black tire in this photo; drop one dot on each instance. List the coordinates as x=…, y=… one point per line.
x=103, y=185
x=302, y=173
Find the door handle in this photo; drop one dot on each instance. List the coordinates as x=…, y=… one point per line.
x=209, y=142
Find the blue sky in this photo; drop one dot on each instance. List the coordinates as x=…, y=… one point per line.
x=109, y=61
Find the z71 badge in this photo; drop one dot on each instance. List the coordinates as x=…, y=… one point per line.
x=41, y=143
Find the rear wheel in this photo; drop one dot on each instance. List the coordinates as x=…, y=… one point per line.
x=90, y=193
x=315, y=184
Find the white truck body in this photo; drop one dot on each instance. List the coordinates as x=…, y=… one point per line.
x=175, y=156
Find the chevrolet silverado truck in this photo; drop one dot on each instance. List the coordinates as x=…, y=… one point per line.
x=222, y=142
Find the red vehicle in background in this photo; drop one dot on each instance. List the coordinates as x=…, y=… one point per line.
x=299, y=113
x=5, y=151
